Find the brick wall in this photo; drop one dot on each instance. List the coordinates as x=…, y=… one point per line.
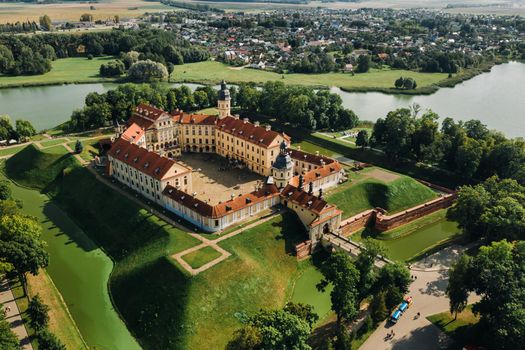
x=303, y=249
x=357, y=222
x=388, y=222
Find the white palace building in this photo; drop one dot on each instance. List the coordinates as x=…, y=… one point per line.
x=144, y=152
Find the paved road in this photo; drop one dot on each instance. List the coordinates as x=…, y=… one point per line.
x=13, y=315
x=428, y=291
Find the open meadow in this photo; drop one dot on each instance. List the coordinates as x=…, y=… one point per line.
x=66, y=70
x=214, y=72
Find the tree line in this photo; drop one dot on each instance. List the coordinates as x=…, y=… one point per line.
x=298, y=105
x=22, y=130
x=19, y=27
x=119, y=104
x=468, y=148
x=22, y=251
x=33, y=54
x=353, y=281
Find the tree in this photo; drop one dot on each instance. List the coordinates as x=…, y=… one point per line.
x=170, y=68
x=342, y=274
x=394, y=280
x=468, y=157
x=303, y=311
x=409, y=83
x=79, y=147
x=6, y=59
x=5, y=190
x=8, y=339
x=457, y=292
x=45, y=23
x=148, y=71
x=22, y=246
x=275, y=329
x=201, y=99
x=399, y=83
x=48, y=341
x=362, y=139
x=496, y=275
x=129, y=58
x=86, y=17
x=378, y=308
x=112, y=69
x=346, y=119
x=38, y=313
x=24, y=129
x=363, y=64
x=246, y=338
x=364, y=263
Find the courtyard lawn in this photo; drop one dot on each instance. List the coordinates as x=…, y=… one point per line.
x=11, y=150
x=416, y=238
x=65, y=70
x=201, y=257
x=402, y=193
x=214, y=72
x=463, y=330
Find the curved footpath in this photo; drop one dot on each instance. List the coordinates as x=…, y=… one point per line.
x=13, y=317
x=428, y=292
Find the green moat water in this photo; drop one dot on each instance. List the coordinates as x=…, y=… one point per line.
x=80, y=270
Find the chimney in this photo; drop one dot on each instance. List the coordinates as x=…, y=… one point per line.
x=316, y=153
x=320, y=196
x=311, y=188
x=268, y=127
x=256, y=123
x=245, y=120
x=301, y=182
x=299, y=147
x=236, y=116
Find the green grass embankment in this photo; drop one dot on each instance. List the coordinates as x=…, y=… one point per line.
x=462, y=330
x=162, y=305
x=394, y=196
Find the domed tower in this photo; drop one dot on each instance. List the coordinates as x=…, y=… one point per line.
x=282, y=168
x=224, y=101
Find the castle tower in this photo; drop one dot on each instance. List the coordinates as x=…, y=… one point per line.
x=282, y=168
x=224, y=101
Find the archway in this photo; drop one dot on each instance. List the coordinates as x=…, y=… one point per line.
x=326, y=228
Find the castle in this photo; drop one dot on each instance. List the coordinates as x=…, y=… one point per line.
x=144, y=154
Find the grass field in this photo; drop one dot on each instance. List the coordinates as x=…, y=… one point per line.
x=214, y=72
x=175, y=311
x=402, y=193
x=462, y=331
x=9, y=151
x=71, y=11
x=66, y=70
x=49, y=143
x=201, y=257
x=90, y=149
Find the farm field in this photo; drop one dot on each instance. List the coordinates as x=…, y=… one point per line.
x=66, y=70
x=71, y=11
x=214, y=72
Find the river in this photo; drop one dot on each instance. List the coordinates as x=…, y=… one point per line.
x=80, y=270
x=496, y=98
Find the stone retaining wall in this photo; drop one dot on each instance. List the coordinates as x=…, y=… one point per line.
x=303, y=249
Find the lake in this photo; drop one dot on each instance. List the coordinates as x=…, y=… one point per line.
x=496, y=98
x=80, y=270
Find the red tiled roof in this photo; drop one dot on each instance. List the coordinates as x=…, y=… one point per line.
x=221, y=209
x=247, y=131
x=317, y=173
x=149, y=112
x=149, y=163
x=198, y=119
x=309, y=157
x=305, y=200
x=140, y=121
x=133, y=133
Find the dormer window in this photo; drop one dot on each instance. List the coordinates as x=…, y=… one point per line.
x=117, y=152
x=157, y=170
x=136, y=159
x=146, y=165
